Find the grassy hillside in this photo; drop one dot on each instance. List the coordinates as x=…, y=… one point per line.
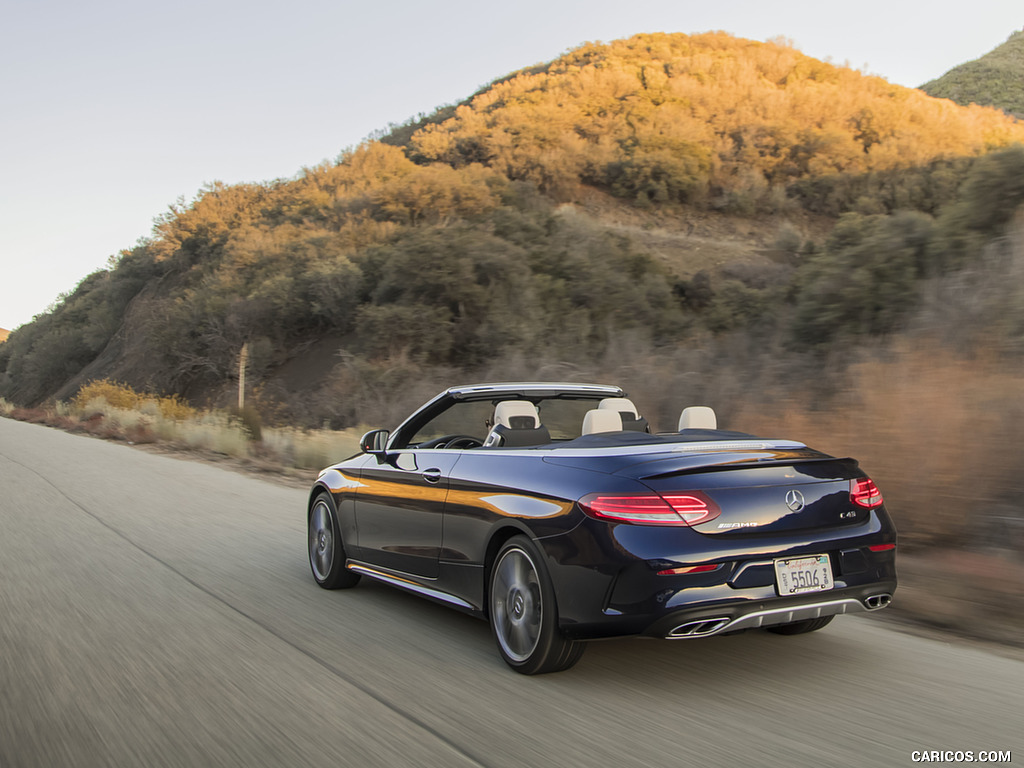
x=996, y=79
x=666, y=188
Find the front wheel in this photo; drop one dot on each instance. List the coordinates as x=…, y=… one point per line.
x=801, y=627
x=326, y=549
x=524, y=615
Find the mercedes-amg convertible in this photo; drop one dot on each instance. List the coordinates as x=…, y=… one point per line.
x=552, y=511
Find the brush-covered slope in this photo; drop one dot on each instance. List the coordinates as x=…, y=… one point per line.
x=708, y=118
x=665, y=185
x=996, y=79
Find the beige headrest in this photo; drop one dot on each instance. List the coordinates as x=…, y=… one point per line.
x=698, y=417
x=519, y=410
x=601, y=421
x=620, y=404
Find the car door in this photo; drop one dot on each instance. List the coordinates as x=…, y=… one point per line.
x=399, y=509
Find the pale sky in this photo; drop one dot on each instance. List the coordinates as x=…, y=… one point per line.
x=111, y=110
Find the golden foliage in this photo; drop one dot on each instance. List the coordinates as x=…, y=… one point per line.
x=748, y=104
x=116, y=395
x=123, y=397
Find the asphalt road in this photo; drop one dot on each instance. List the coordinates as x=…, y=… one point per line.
x=155, y=611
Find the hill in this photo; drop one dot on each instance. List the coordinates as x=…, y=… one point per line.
x=666, y=188
x=707, y=119
x=4, y=333
x=996, y=79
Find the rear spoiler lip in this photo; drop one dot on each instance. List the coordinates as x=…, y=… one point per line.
x=747, y=462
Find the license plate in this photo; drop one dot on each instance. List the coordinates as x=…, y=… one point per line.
x=796, y=575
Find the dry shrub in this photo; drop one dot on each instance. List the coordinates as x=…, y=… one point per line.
x=249, y=419
x=939, y=434
x=174, y=408
x=109, y=431
x=114, y=394
x=140, y=433
x=93, y=395
x=91, y=422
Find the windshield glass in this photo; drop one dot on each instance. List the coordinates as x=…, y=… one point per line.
x=473, y=419
x=563, y=418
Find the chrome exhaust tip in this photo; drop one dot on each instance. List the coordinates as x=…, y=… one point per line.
x=700, y=628
x=878, y=601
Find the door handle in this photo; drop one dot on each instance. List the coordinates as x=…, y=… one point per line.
x=432, y=475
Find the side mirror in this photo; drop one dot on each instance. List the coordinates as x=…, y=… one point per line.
x=374, y=442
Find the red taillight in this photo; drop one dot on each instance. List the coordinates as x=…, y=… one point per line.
x=864, y=493
x=689, y=508
x=881, y=547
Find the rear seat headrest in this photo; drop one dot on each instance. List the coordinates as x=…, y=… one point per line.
x=698, y=417
x=631, y=418
x=598, y=420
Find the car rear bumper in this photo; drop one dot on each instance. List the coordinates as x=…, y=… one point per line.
x=706, y=620
x=717, y=616
x=741, y=594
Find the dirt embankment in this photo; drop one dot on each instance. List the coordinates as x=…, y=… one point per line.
x=974, y=594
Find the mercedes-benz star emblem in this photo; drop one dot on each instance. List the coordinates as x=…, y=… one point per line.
x=794, y=500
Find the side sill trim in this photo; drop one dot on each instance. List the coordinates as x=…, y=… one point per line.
x=405, y=583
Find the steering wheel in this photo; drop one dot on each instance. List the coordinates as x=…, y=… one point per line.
x=464, y=441
x=452, y=441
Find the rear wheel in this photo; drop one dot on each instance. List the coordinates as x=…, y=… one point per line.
x=801, y=627
x=326, y=549
x=523, y=613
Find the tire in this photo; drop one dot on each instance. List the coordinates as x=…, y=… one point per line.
x=801, y=627
x=523, y=612
x=326, y=549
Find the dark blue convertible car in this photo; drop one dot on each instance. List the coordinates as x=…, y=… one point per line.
x=552, y=510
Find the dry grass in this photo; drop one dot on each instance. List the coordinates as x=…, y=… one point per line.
x=311, y=449
x=117, y=412
x=210, y=432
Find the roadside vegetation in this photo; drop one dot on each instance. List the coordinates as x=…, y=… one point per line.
x=113, y=411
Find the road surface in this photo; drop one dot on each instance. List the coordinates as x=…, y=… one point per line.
x=160, y=612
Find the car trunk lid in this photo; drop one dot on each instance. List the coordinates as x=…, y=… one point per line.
x=771, y=496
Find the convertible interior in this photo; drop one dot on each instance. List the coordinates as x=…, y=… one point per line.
x=519, y=424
